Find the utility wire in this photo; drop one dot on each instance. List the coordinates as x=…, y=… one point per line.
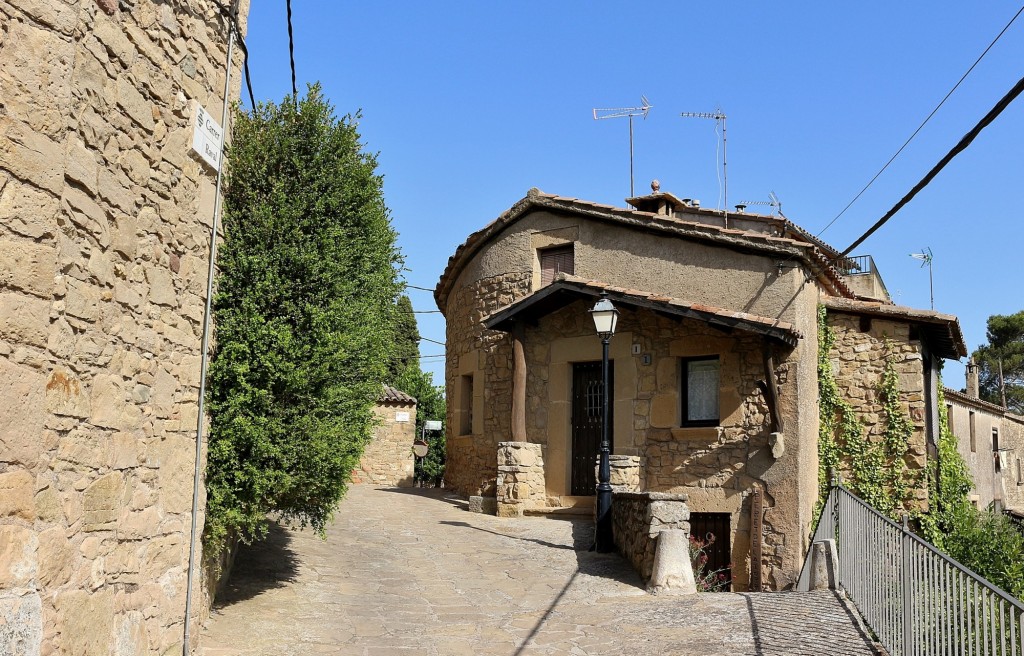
x=291, y=54
x=1003, y=103
x=432, y=341
x=925, y=122
x=232, y=16
x=424, y=289
x=426, y=312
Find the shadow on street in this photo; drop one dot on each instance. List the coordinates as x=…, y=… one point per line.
x=261, y=566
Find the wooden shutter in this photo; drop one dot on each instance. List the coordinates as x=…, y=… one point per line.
x=554, y=261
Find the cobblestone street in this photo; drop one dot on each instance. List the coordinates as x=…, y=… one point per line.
x=410, y=571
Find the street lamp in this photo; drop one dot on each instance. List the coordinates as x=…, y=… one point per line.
x=605, y=318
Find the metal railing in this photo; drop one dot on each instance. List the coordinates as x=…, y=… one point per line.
x=917, y=600
x=857, y=264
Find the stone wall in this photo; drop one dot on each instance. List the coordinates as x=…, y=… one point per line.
x=520, y=481
x=858, y=359
x=1012, y=437
x=388, y=458
x=486, y=355
x=104, y=237
x=638, y=517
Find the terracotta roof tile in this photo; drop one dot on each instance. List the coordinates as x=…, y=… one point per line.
x=393, y=395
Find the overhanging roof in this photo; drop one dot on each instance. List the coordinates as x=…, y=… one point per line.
x=787, y=249
x=566, y=289
x=942, y=331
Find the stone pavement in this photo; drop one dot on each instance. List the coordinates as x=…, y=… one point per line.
x=408, y=571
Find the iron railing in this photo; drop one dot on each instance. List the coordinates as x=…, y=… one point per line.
x=857, y=264
x=916, y=600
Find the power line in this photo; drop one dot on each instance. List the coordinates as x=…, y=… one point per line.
x=432, y=341
x=925, y=122
x=424, y=289
x=962, y=145
x=291, y=54
x=232, y=16
x=426, y=312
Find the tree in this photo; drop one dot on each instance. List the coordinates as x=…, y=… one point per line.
x=1005, y=345
x=304, y=315
x=407, y=339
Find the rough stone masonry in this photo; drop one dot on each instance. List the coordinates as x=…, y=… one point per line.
x=104, y=238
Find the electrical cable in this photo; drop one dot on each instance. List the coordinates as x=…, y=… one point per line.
x=232, y=16
x=426, y=312
x=962, y=145
x=929, y=117
x=291, y=54
x=432, y=341
x=423, y=289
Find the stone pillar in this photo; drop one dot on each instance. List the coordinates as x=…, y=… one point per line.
x=625, y=473
x=520, y=478
x=518, y=385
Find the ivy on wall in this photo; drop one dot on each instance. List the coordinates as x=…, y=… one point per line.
x=876, y=470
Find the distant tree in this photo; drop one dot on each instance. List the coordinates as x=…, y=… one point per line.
x=430, y=405
x=407, y=339
x=1006, y=345
x=304, y=315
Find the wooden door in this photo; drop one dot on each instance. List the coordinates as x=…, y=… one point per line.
x=712, y=529
x=586, y=423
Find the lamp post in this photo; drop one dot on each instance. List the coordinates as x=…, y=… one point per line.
x=605, y=318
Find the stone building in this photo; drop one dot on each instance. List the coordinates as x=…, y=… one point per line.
x=105, y=222
x=991, y=441
x=714, y=377
x=388, y=458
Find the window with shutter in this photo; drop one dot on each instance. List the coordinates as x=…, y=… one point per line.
x=554, y=261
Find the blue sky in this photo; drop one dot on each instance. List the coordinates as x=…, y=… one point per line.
x=472, y=103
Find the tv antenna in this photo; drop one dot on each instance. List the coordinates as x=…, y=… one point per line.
x=719, y=119
x=773, y=202
x=628, y=112
x=926, y=259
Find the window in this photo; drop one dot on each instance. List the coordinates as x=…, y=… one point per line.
x=554, y=261
x=995, y=449
x=974, y=437
x=1020, y=473
x=699, y=391
x=466, y=405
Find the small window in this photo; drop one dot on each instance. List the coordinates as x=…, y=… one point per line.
x=995, y=449
x=699, y=393
x=974, y=435
x=554, y=261
x=1020, y=473
x=466, y=405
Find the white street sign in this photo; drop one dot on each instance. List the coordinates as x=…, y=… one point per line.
x=402, y=417
x=207, y=136
x=432, y=425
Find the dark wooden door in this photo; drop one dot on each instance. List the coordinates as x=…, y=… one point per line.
x=712, y=529
x=586, y=423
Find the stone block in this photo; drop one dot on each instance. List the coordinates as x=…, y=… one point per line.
x=85, y=622
x=24, y=320
x=56, y=557
x=102, y=502
x=28, y=211
x=134, y=103
x=17, y=494
x=664, y=411
x=21, y=622
x=672, y=572
x=65, y=394
x=19, y=564
x=28, y=266
x=484, y=505
x=21, y=423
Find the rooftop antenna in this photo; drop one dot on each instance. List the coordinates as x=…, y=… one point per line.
x=773, y=202
x=926, y=259
x=719, y=118
x=628, y=112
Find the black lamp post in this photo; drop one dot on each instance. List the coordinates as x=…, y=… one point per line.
x=605, y=317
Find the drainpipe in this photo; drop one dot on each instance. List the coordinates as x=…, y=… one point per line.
x=185, y=650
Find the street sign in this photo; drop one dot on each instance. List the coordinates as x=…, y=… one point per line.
x=207, y=136
x=420, y=448
x=402, y=417
x=432, y=425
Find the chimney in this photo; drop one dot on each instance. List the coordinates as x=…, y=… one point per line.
x=972, y=379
